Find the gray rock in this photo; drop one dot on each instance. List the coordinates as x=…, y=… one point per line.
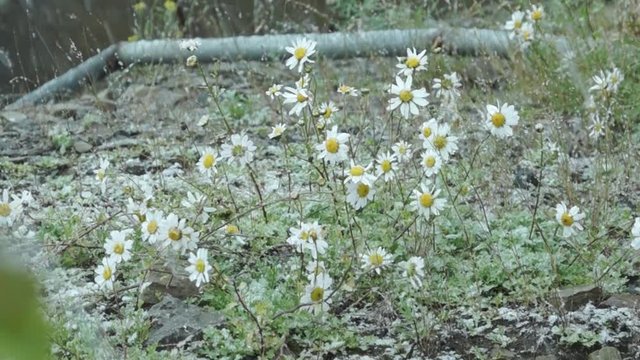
x=606, y=353
x=174, y=321
x=546, y=357
x=13, y=116
x=163, y=281
x=82, y=146
x=631, y=301
x=571, y=299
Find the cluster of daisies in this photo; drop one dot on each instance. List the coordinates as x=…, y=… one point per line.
x=521, y=29
x=12, y=207
x=602, y=99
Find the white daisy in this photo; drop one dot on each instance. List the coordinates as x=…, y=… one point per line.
x=407, y=99
x=413, y=270
x=431, y=163
x=316, y=269
x=101, y=174
x=597, y=127
x=300, y=52
x=241, y=149
x=274, y=91
x=500, y=119
x=334, y=149
x=9, y=210
x=105, y=273
x=199, y=267
x=412, y=63
x=358, y=173
x=359, y=194
x=385, y=166
x=635, y=232
x=177, y=234
x=308, y=236
x=515, y=24
x=376, y=260
x=447, y=88
x=442, y=142
x=138, y=209
x=150, y=227
x=402, y=151
x=614, y=78
x=326, y=112
x=197, y=203
x=299, y=96
x=600, y=83
x=190, y=45
x=427, y=129
x=526, y=35
x=277, y=131
x=536, y=13
x=426, y=202
x=569, y=218
x=348, y=90
x=117, y=247
x=207, y=162
x=316, y=294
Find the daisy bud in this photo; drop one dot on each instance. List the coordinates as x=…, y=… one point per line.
x=192, y=61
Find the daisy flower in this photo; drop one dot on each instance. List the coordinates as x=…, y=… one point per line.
x=334, y=149
x=233, y=231
x=442, y=142
x=427, y=129
x=413, y=270
x=197, y=202
x=299, y=96
x=101, y=174
x=105, y=273
x=177, y=234
x=614, y=78
x=635, y=232
x=150, y=227
x=199, y=267
x=316, y=269
x=358, y=173
x=413, y=62
x=407, y=99
x=385, y=166
x=447, y=88
x=326, y=112
x=316, y=294
x=526, y=34
x=241, y=149
x=137, y=209
x=207, y=162
x=117, y=247
x=277, y=131
x=300, y=52
x=569, y=218
x=402, y=151
x=536, y=13
x=426, y=202
x=9, y=210
x=600, y=83
x=348, y=90
x=431, y=163
x=376, y=260
x=515, y=24
x=274, y=91
x=359, y=194
x=597, y=127
x=500, y=119
x=308, y=236
x=190, y=45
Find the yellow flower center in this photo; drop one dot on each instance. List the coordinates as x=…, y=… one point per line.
x=526, y=35
x=385, y=166
x=440, y=142
x=175, y=234
x=301, y=98
x=317, y=294
x=412, y=62
x=100, y=174
x=237, y=150
x=498, y=119
x=344, y=89
x=426, y=132
x=299, y=53
x=402, y=150
x=517, y=24
x=376, y=259
x=332, y=145
x=107, y=272
x=152, y=227
x=118, y=248
x=327, y=113
x=566, y=219
x=208, y=161
x=5, y=210
x=430, y=161
x=362, y=190
x=304, y=236
x=536, y=15
x=232, y=229
x=200, y=265
x=426, y=200
x=357, y=170
x=405, y=95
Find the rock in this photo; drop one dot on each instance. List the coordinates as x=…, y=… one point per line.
x=173, y=321
x=573, y=298
x=13, y=116
x=631, y=301
x=82, y=146
x=606, y=353
x=163, y=281
x=546, y=357
x=134, y=167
